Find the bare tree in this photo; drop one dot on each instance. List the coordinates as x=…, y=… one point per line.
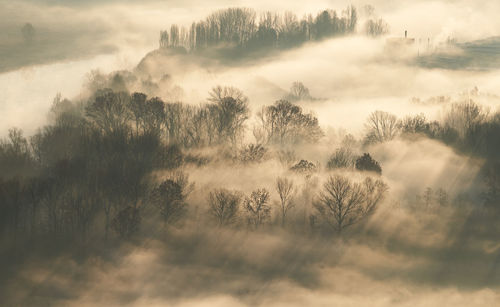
x=109, y=111
x=374, y=192
x=342, y=158
x=154, y=116
x=229, y=111
x=376, y=27
x=137, y=106
x=414, y=124
x=175, y=120
x=257, y=207
x=218, y=93
x=285, y=123
x=224, y=206
x=169, y=197
x=381, y=126
x=285, y=189
x=465, y=116
x=298, y=91
x=343, y=203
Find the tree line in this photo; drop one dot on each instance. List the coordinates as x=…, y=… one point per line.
x=466, y=125
x=240, y=29
x=94, y=166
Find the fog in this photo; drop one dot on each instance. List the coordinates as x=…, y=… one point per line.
x=72, y=50
x=117, y=208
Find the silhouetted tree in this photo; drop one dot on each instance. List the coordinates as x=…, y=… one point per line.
x=235, y=31
x=224, y=206
x=367, y=163
x=343, y=203
x=415, y=124
x=16, y=159
x=381, y=127
x=258, y=209
x=126, y=222
x=285, y=189
x=465, y=116
x=376, y=27
x=137, y=107
x=298, y=92
x=28, y=32
x=169, y=197
x=285, y=123
x=154, y=116
x=304, y=167
x=164, y=39
x=252, y=153
x=229, y=111
x=170, y=157
x=342, y=158
x=174, y=36
x=108, y=111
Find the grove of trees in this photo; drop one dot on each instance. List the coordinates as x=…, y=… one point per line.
x=240, y=30
x=286, y=123
x=94, y=169
x=116, y=161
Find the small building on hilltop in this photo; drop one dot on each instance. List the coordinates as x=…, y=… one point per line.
x=400, y=42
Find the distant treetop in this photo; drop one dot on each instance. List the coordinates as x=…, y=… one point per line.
x=28, y=32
